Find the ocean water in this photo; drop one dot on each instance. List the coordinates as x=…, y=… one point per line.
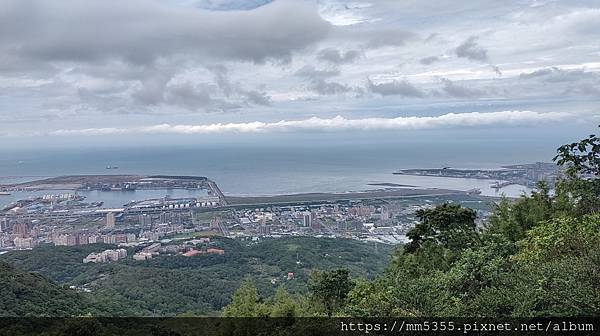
x=271, y=169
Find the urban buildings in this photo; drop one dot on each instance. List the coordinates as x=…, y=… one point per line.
x=307, y=219
x=104, y=256
x=24, y=243
x=20, y=230
x=110, y=220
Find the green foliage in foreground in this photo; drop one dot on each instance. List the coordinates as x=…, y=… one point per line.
x=330, y=289
x=200, y=285
x=536, y=256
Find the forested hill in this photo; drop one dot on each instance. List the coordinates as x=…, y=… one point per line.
x=30, y=294
x=170, y=285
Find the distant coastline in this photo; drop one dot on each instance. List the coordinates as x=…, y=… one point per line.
x=393, y=185
x=96, y=182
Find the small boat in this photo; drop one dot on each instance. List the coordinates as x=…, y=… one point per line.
x=4, y=193
x=112, y=167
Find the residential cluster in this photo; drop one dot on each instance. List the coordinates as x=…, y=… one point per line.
x=188, y=248
x=104, y=256
x=386, y=222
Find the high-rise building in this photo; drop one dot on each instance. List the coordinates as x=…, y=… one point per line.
x=109, y=239
x=20, y=230
x=3, y=224
x=71, y=240
x=82, y=238
x=307, y=219
x=170, y=218
x=110, y=220
x=145, y=220
x=264, y=230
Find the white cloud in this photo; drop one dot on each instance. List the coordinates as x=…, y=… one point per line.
x=147, y=62
x=339, y=123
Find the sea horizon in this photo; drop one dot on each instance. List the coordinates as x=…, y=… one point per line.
x=272, y=170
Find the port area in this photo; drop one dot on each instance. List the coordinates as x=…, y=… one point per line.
x=522, y=174
x=63, y=195
x=56, y=211
x=58, y=199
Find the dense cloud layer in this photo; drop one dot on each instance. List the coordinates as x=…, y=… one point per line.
x=90, y=62
x=140, y=32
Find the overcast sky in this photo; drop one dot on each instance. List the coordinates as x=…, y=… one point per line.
x=73, y=69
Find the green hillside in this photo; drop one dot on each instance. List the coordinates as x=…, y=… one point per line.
x=169, y=285
x=30, y=294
